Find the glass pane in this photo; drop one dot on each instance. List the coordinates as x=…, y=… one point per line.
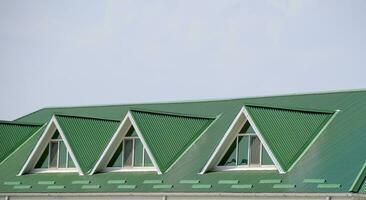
x=243, y=150
x=53, y=154
x=254, y=150
x=138, y=153
x=70, y=162
x=127, y=153
x=147, y=160
x=247, y=128
x=116, y=160
x=62, y=155
x=131, y=133
x=229, y=158
x=56, y=135
x=266, y=160
x=43, y=160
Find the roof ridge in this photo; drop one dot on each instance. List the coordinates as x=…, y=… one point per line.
x=172, y=113
x=299, y=109
x=19, y=123
x=206, y=100
x=85, y=117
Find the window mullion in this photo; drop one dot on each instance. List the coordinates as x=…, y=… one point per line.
x=143, y=157
x=49, y=155
x=123, y=151
x=133, y=152
x=237, y=150
x=249, y=150
x=58, y=155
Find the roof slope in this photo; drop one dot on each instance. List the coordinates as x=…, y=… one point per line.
x=12, y=135
x=88, y=137
x=169, y=135
x=331, y=164
x=288, y=132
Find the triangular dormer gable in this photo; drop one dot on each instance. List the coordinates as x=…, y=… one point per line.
x=286, y=134
x=242, y=132
x=52, y=153
x=128, y=136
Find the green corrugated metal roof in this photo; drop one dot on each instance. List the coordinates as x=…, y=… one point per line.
x=12, y=135
x=336, y=156
x=169, y=135
x=88, y=137
x=287, y=132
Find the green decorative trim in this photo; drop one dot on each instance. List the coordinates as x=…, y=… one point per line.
x=189, y=181
x=284, y=186
x=314, y=180
x=22, y=187
x=152, y=181
x=162, y=186
x=329, y=186
x=126, y=186
x=46, y=182
x=270, y=181
x=80, y=182
x=90, y=187
x=116, y=181
x=228, y=182
x=12, y=183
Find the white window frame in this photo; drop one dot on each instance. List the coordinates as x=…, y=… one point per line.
x=248, y=166
x=133, y=167
x=59, y=141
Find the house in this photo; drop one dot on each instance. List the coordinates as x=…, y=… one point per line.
x=301, y=146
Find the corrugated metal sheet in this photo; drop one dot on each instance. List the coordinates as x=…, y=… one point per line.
x=336, y=156
x=88, y=137
x=168, y=136
x=287, y=132
x=12, y=135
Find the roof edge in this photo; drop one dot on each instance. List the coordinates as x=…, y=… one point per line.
x=299, y=109
x=19, y=123
x=201, y=100
x=84, y=117
x=172, y=114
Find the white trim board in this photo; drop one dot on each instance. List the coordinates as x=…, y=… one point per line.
x=229, y=137
x=41, y=145
x=117, y=138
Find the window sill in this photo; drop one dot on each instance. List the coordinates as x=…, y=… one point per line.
x=245, y=168
x=55, y=170
x=131, y=169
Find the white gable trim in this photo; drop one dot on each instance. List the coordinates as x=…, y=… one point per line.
x=32, y=160
x=228, y=138
x=117, y=138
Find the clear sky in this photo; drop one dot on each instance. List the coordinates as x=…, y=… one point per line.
x=61, y=53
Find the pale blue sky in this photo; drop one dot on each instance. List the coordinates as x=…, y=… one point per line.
x=61, y=53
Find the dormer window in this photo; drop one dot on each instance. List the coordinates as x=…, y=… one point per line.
x=246, y=151
x=55, y=156
x=130, y=155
